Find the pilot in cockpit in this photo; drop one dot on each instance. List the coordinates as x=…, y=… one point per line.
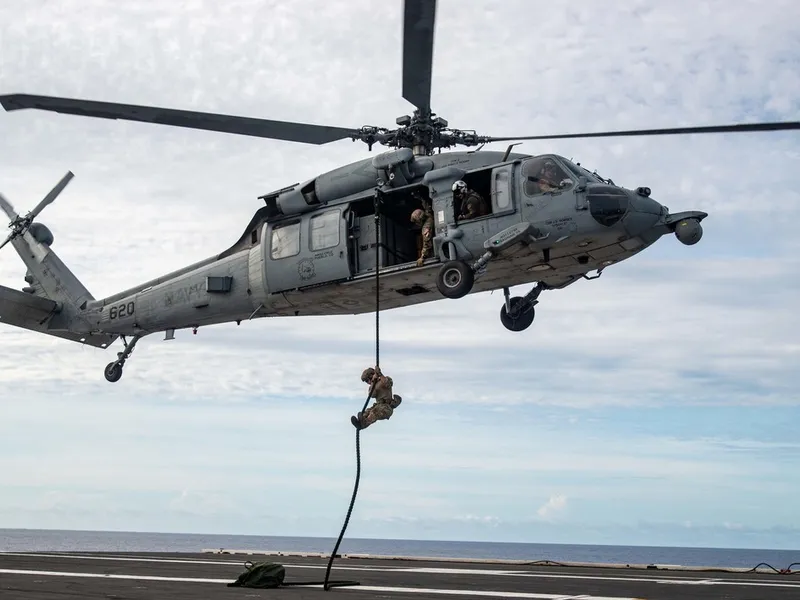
x=551, y=178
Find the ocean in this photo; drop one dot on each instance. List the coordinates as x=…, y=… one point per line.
x=40, y=540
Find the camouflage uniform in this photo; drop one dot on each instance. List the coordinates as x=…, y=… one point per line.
x=424, y=218
x=385, y=401
x=473, y=205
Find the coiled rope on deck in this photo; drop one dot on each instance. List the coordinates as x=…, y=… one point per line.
x=328, y=585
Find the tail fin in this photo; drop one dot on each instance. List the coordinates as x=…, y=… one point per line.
x=54, y=299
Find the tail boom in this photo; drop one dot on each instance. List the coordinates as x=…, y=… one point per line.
x=43, y=315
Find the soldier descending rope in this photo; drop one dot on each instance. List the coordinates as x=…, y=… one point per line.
x=385, y=401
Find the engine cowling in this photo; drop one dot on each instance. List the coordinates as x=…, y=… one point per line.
x=394, y=168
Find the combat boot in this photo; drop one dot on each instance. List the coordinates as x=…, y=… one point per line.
x=359, y=422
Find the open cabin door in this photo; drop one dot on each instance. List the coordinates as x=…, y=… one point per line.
x=399, y=238
x=311, y=249
x=494, y=184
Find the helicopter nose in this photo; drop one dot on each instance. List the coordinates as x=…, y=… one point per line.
x=645, y=204
x=644, y=213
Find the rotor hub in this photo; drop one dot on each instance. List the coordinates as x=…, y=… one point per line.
x=422, y=131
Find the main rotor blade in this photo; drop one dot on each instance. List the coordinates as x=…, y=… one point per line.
x=743, y=127
x=419, y=18
x=279, y=130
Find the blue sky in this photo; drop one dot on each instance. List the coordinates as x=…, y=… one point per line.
x=655, y=405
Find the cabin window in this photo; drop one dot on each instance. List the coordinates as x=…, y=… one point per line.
x=325, y=230
x=286, y=241
x=502, y=189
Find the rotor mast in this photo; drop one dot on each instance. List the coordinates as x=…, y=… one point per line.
x=421, y=125
x=420, y=131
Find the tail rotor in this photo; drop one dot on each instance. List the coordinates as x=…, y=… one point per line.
x=19, y=225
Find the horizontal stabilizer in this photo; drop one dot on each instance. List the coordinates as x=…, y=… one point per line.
x=34, y=313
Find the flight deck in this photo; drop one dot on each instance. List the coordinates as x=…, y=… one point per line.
x=205, y=575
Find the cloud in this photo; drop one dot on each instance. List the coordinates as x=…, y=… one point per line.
x=668, y=385
x=554, y=505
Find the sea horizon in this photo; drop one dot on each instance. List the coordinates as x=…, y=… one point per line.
x=87, y=540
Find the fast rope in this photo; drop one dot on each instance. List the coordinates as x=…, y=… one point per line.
x=328, y=585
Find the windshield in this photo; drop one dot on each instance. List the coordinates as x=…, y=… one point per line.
x=579, y=171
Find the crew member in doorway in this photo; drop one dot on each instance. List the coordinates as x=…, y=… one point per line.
x=385, y=401
x=473, y=205
x=423, y=218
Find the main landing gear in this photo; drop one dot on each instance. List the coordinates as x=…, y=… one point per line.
x=455, y=281
x=456, y=278
x=517, y=313
x=113, y=371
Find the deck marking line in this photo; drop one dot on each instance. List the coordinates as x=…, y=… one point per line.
x=366, y=588
x=492, y=593
x=113, y=576
x=240, y=563
x=445, y=570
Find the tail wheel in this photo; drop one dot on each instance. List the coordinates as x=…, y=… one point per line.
x=113, y=372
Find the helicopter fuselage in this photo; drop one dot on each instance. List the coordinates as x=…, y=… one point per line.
x=310, y=252
x=314, y=249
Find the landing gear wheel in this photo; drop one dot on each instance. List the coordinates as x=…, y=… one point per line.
x=455, y=279
x=113, y=372
x=521, y=317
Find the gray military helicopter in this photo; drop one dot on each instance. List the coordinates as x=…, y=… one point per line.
x=311, y=250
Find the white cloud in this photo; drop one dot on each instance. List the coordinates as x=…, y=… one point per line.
x=257, y=416
x=554, y=506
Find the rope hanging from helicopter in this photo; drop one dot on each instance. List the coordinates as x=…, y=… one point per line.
x=328, y=585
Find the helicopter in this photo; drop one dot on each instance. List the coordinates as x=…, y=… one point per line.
x=316, y=247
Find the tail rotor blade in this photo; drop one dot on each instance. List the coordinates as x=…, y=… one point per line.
x=8, y=208
x=59, y=187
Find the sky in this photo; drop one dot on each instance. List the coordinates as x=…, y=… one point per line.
x=656, y=405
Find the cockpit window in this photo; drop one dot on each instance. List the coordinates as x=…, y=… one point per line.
x=544, y=175
x=579, y=171
x=573, y=169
